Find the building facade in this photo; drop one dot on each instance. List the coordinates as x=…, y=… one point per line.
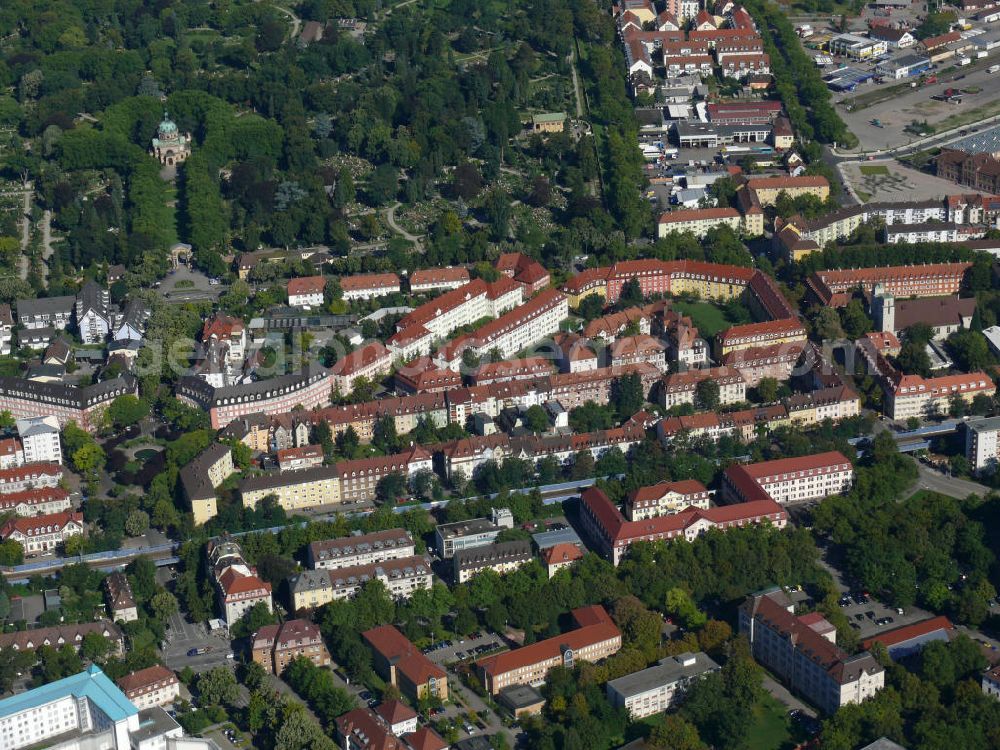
x=659, y=688
x=274, y=647
x=154, y=686
x=361, y=549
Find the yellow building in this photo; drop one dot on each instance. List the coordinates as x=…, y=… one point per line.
x=698, y=221
x=202, y=476
x=548, y=122
x=769, y=188
x=297, y=490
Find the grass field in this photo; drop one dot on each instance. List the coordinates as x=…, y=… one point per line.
x=709, y=318
x=874, y=169
x=772, y=728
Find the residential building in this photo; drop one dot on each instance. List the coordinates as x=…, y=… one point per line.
x=991, y=681
x=371, y=361
x=914, y=396
x=632, y=350
x=526, y=272
x=436, y=319
x=665, y=498
x=131, y=324
x=450, y=538
x=274, y=647
x=59, y=635
x=6, y=329
x=35, y=502
x=359, y=478
x=42, y=533
x=303, y=457
x=575, y=353
x=767, y=189
x=11, y=453
x=40, y=440
x=980, y=171
x=596, y=637
x=769, y=361
x=501, y=557
x=120, y=599
x=400, y=718
x=46, y=312
x=94, y=315
x=369, y=286
x=400, y=663
x=659, y=688
x=511, y=332
x=524, y=368
x=421, y=375
x=834, y=288
x=400, y=576
x=756, y=335
x=789, y=480
x=154, y=686
x=30, y=477
x=294, y=491
x=680, y=387
x=238, y=586
x=931, y=232
x=560, y=556
x=227, y=330
x=306, y=292
x=308, y=388
x=432, y=279
x=85, y=405
x=360, y=549
x=906, y=641
x=615, y=534
x=698, y=221
x=202, y=476
x=982, y=444
x=802, y=651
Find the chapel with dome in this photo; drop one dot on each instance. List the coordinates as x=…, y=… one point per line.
x=171, y=146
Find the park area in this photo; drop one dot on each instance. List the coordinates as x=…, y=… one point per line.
x=709, y=318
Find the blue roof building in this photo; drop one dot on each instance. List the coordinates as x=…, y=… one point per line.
x=86, y=703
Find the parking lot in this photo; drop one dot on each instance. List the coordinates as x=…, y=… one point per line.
x=182, y=637
x=451, y=651
x=869, y=617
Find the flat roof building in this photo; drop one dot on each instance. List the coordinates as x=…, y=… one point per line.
x=656, y=689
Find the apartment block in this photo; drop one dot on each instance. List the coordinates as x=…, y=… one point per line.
x=274, y=647
x=802, y=651
x=297, y=459
x=680, y=388
x=85, y=405
x=307, y=388
x=982, y=443
x=400, y=576
x=770, y=361
x=431, y=279
x=29, y=477
x=596, y=637
x=698, y=221
x=36, y=502
x=60, y=635
x=615, y=534
x=834, y=288
x=790, y=480
x=665, y=498
x=294, y=490
x=202, y=476
x=915, y=396
x=40, y=440
x=154, y=686
x=359, y=478
x=371, y=361
x=500, y=557
x=369, y=286
x=659, y=688
x=239, y=589
x=360, y=549
x=756, y=335
x=306, y=292
x=120, y=599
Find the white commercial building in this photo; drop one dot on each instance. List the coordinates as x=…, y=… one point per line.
x=654, y=690
x=40, y=440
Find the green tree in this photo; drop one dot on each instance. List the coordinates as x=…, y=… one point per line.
x=163, y=605
x=217, y=687
x=535, y=419
x=707, y=394
x=11, y=553
x=137, y=523
x=127, y=410
x=767, y=390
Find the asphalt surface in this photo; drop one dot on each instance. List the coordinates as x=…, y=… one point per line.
x=929, y=479
x=182, y=636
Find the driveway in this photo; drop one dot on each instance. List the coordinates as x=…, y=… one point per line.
x=929, y=479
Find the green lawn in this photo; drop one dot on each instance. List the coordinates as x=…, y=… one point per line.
x=772, y=729
x=873, y=169
x=709, y=318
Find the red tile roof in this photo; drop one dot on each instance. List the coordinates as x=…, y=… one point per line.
x=788, y=183
x=36, y=525
x=393, y=646
x=221, y=326
x=782, y=327
x=306, y=285
x=449, y=275
x=698, y=214
x=425, y=738
x=30, y=497
x=395, y=712
x=656, y=491
x=596, y=627
x=561, y=553
x=233, y=582
x=361, y=282
x=907, y=632
x=136, y=681
x=361, y=358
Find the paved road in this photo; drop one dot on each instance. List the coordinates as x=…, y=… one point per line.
x=947, y=485
x=474, y=702
x=46, y=244
x=576, y=85
x=390, y=219
x=183, y=635
x=25, y=264
x=296, y=21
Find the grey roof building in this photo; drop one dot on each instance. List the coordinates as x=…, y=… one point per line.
x=502, y=557
x=658, y=688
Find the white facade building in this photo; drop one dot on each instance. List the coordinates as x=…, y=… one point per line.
x=656, y=689
x=982, y=440
x=40, y=440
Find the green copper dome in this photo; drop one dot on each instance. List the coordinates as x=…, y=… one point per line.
x=167, y=127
